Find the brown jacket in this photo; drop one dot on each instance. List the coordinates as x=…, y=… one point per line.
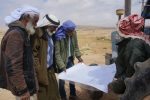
x=40, y=45
x=19, y=72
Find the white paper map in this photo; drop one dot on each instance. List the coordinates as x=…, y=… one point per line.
x=96, y=76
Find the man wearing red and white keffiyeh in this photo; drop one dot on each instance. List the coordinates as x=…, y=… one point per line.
x=134, y=47
x=131, y=26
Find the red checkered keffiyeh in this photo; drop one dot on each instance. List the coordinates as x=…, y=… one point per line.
x=131, y=27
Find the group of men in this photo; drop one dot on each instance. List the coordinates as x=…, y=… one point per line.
x=33, y=50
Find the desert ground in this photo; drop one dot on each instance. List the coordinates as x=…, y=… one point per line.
x=94, y=43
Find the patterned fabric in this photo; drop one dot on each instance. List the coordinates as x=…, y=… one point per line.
x=50, y=51
x=48, y=20
x=131, y=26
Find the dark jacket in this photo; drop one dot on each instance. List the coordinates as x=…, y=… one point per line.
x=17, y=61
x=130, y=51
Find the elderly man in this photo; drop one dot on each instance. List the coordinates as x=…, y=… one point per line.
x=66, y=48
x=16, y=53
x=43, y=50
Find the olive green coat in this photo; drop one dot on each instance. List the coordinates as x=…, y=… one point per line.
x=40, y=45
x=61, y=50
x=48, y=87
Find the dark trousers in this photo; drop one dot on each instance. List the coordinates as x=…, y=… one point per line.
x=71, y=85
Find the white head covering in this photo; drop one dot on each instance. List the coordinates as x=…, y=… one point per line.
x=48, y=19
x=16, y=14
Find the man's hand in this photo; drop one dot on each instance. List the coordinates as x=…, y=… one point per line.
x=80, y=60
x=25, y=96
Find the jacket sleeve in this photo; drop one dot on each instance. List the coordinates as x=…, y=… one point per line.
x=58, y=58
x=76, y=46
x=138, y=55
x=14, y=53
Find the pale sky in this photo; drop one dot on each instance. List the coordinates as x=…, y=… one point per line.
x=82, y=12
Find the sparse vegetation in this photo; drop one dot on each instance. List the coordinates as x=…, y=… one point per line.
x=103, y=38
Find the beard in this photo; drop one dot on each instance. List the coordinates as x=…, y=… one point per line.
x=49, y=33
x=30, y=28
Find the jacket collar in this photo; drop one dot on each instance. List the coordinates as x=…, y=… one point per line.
x=17, y=24
x=40, y=33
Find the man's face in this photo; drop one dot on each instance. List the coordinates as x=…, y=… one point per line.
x=35, y=20
x=31, y=24
x=51, y=29
x=70, y=32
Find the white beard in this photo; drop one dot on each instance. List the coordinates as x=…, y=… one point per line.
x=30, y=28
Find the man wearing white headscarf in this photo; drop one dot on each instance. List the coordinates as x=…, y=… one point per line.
x=16, y=54
x=43, y=50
